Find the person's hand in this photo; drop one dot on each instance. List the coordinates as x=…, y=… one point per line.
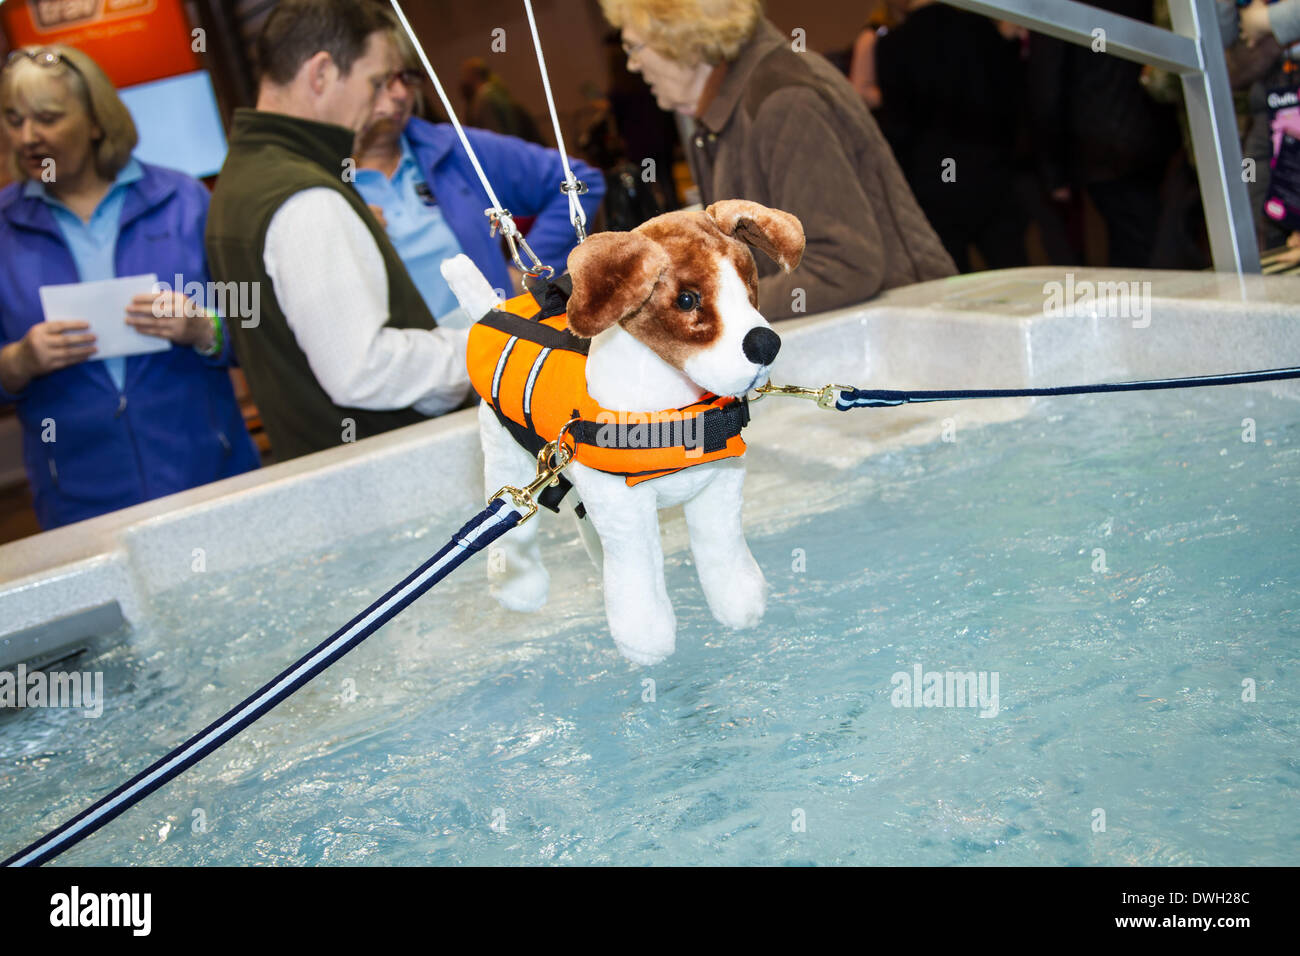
x=1254, y=22
x=1291, y=255
x=170, y=315
x=379, y=214
x=1012, y=31
x=50, y=346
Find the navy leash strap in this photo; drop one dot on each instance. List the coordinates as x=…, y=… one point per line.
x=490, y=524
x=847, y=398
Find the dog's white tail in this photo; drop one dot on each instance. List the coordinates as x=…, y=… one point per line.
x=471, y=289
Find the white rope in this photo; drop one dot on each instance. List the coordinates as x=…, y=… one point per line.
x=571, y=187
x=500, y=217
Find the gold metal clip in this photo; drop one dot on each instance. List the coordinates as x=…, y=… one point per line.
x=825, y=397
x=551, y=460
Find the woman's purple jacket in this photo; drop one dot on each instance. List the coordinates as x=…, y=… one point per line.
x=177, y=423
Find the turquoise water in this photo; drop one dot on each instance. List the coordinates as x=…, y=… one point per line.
x=462, y=733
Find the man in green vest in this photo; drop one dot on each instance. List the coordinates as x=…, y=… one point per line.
x=342, y=346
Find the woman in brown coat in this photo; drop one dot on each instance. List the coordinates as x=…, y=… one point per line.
x=784, y=128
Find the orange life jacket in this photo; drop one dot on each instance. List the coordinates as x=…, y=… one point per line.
x=532, y=371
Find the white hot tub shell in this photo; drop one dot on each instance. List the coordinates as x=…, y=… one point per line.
x=61, y=590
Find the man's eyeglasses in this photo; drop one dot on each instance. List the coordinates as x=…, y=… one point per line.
x=632, y=49
x=408, y=78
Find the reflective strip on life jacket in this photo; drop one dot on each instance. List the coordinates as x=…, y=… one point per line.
x=533, y=373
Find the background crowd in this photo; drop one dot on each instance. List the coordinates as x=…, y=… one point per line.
x=932, y=142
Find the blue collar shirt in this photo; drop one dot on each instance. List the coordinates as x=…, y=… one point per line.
x=93, y=244
x=416, y=226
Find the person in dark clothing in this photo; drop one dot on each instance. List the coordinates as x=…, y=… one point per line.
x=631, y=140
x=1096, y=128
x=489, y=104
x=949, y=86
x=1265, y=60
x=787, y=130
x=344, y=347
x=886, y=15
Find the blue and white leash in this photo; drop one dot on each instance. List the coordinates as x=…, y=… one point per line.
x=490, y=524
x=845, y=397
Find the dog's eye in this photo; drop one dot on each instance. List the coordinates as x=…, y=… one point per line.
x=688, y=301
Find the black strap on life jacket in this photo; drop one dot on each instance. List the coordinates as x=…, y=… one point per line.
x=714, y=428
x=552, y=295
x=533, y=444
x=531, y=330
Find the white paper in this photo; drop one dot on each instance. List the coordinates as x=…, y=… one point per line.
x=103, y=304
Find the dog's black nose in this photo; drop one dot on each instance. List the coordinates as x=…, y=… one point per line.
x=761, y=345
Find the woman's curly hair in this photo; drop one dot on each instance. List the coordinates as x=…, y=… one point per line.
x=689, y=31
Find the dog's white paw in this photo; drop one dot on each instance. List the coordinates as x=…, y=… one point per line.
x=520, y=589
x=649, y=641
x=522, y=598
x=639, y=656
x=743, y=603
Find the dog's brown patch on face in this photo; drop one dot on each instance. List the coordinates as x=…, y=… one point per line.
x=695, y=247
x=612, y=274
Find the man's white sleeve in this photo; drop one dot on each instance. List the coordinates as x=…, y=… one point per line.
x=329, y=279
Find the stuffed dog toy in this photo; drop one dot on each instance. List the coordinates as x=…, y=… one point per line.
x=643, y=355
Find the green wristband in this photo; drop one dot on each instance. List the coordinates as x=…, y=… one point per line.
x=218, y=338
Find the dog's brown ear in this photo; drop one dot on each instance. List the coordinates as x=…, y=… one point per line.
x=777, y=233
x=613, y=274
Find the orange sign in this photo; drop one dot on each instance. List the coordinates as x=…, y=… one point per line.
x=135, y=41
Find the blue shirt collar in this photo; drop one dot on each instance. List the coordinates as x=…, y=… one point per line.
x=130, y=173
x=408, y=157
x=406, y=164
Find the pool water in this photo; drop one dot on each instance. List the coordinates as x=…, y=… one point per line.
x=462, y=733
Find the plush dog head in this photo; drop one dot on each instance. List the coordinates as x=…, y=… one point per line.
x=686, y=285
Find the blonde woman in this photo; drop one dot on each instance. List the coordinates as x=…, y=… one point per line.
x=783, y=127
x=104, y=434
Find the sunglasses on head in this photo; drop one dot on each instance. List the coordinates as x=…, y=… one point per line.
x=41, y=56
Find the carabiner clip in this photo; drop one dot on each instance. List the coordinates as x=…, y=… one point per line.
x=825, y=397
x=501, y=219
x=573, y=190
x=554, y=457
